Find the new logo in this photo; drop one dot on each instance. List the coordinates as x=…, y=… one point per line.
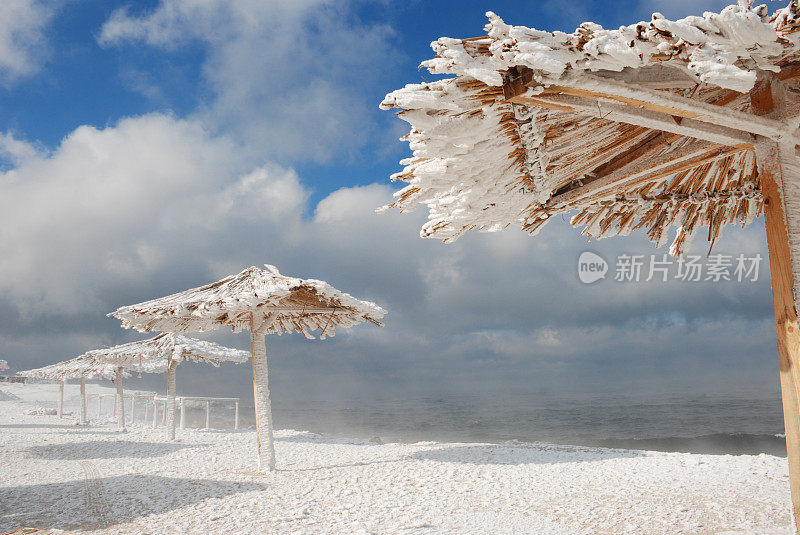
x=591, y=267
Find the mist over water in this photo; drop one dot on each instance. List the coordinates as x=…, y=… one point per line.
x=715, y=424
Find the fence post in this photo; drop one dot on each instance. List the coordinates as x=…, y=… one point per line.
x=61, y=399
x=83, y=401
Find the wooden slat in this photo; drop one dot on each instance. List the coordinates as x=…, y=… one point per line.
x=633, y=174
x=652, y=143
x=541, y=103
x=598, y=88
x=636, y=103
x=622, y=113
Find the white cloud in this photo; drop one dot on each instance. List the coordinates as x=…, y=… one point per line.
x=22, y=39
x=156, y=204
x=15, y=150
x=287, y=77
x=85, y=214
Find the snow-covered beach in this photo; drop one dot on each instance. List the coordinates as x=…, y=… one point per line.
x=58, y=475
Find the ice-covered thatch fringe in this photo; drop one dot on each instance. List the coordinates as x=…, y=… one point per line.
x=293, y=302
x=466, y=166
x=262, y=301
x=3, y=365
x=482, y=160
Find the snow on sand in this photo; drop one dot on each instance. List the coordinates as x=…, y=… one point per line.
x=57, y=475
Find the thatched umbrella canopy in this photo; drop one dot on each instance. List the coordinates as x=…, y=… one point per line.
x=82, y=367
x=161, y=354
x=264, y=302
x=688, y=124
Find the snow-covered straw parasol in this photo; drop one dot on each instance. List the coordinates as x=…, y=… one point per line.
x=3, y=365
x=264, y=302
x=689, y=123
x=161, y=354
x=82, y=368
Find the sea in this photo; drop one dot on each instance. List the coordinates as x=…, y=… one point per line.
x=710, y=424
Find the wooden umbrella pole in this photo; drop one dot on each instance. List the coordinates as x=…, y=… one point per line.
x=786, y=324
x=120, y=401
x=171, y=365
x=263, y=408
x=83, y=401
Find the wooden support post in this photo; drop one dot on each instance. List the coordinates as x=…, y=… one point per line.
x=83, y=402
x=120, y=400
x=779, y=172
x=155, y=412
x=263, y=407
x=183, y=413
x=208, y=414
x=786, y=324
x=133, y=408
x=236, y=415
x=61, y=399
x=99, y=406
x=170, y=401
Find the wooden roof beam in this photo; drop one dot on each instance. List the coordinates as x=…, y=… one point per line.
x=603, y=89
x=623, y=113
x=596, y=88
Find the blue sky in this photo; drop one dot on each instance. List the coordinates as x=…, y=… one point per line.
x=81, y=82
x=152, y=146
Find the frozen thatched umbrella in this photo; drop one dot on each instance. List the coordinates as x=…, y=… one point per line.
x=82, y=368
x=262, y=301
x=161, y=354
x=685, y=123
x=3, y=365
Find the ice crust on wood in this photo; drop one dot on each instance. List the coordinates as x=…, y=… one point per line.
x=711, y=47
